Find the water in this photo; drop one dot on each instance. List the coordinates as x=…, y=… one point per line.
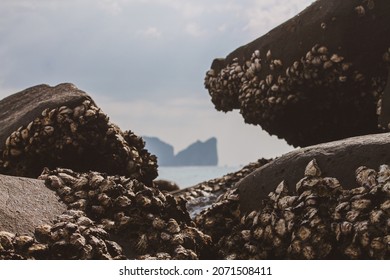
x=187, y=176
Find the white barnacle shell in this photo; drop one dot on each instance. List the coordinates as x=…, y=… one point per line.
x=343, y=78
x=278, y=63
x=269, y=55
x=322, y=50
x=328, y=64
x=275, y=88
x=309, y=55
x=360, y=10
x=48, y=130
x=316, y=61
x=45, y=112
x=172, y=226
x=282, y=188
x=312, y=169
x=336, y=58
x=269, y=79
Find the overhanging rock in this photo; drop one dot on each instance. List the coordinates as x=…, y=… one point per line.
x=318, y=77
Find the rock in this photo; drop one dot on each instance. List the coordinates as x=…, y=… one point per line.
x=140, y=219
x=166, y=186
x=319, y=220
x=21, y=108
x=337, y=159
x=62, y=126
x=26, y=203
x=312, y=79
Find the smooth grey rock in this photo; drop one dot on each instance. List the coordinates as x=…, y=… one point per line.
x=338, y=159
x=26, y=203
x=22, y=107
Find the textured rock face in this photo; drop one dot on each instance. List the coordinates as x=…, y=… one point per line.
x=26, y=203
x=23, y=107
x=337, y=159
x=312, y=79
x=62, y=126
x=319, y=219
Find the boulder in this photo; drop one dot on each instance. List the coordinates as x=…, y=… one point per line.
x=26, y=203
x=314, y=78
x=166, y=185
x=339, y=159
x=20, y=108
x=62, y=126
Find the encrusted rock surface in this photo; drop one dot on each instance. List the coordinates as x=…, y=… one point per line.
x=111, y=217
x=337, y=159
x=312, y=79
x=75, y=134
x=323, y=202
x=20, y=108
x=318, y=220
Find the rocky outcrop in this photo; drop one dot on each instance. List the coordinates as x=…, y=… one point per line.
x=197, y=154
x=26, y=203
x=266, y=210
x=62, y=126
x=23, y=107
x=106, y=217
x=337, y=159
x=320, y=219
x=312, y=79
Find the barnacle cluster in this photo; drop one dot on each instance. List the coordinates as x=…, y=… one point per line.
x=72, y=236
x=322, y=82
x=320, y=220
x=112, y=217
x=81, y=138
x=148, y=220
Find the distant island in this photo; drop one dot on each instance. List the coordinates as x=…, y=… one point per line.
x=197, y=154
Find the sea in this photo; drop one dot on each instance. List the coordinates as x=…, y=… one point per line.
x=187, y=176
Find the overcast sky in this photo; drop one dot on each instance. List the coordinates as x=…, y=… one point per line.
x=143, y=61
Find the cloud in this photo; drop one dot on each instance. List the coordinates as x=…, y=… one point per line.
x=262, y=16
x=150, y=32
x=193, y=29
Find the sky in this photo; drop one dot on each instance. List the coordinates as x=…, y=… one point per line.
x=143, y=62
